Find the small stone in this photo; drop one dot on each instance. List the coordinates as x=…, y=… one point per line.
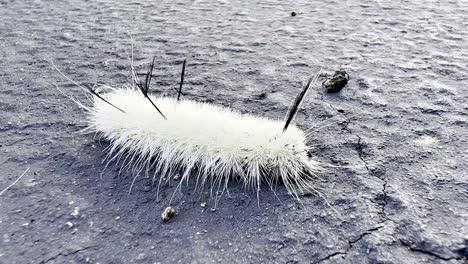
x=336, y=82
x=176, y=177
x=76, y=212
x=212, y=209
x=167, y=214
x=141, y=257
x=203, y=205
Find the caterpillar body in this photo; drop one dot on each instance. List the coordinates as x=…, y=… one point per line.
x=212, y=143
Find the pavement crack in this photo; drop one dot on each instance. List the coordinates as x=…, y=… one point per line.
x=368, y=232
x=358, y=145
x=360, y=152
x=330, y=256
x=412, y=247
x=65, y=254
x=350, y=244
x=385, y=200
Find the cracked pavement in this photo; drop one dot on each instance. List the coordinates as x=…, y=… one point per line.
x=395, y=137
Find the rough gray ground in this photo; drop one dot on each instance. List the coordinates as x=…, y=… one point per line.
x=398, y=131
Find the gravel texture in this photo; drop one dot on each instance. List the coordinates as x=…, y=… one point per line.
x=397, y=133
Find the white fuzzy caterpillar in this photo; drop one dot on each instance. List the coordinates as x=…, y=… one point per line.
x=214, y=143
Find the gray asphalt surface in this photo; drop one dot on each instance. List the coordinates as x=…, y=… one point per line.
x=397, y=132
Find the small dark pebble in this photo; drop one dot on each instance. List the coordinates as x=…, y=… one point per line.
x=336, y=82
x=262, y=95
x=293, y=13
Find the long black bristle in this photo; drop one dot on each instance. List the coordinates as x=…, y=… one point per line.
x=85, y=88
x=297, y=102
x=144, y=88
x=149, y=75
x=98, y=96
x=151, y=101
x=181, y=80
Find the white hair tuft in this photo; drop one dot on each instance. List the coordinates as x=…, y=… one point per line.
x=214, y=143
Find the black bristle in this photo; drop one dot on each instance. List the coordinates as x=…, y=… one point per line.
x=89, y=89
x=181, y=80
x=297, y=102
x=100, y=97
x=144, y=88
